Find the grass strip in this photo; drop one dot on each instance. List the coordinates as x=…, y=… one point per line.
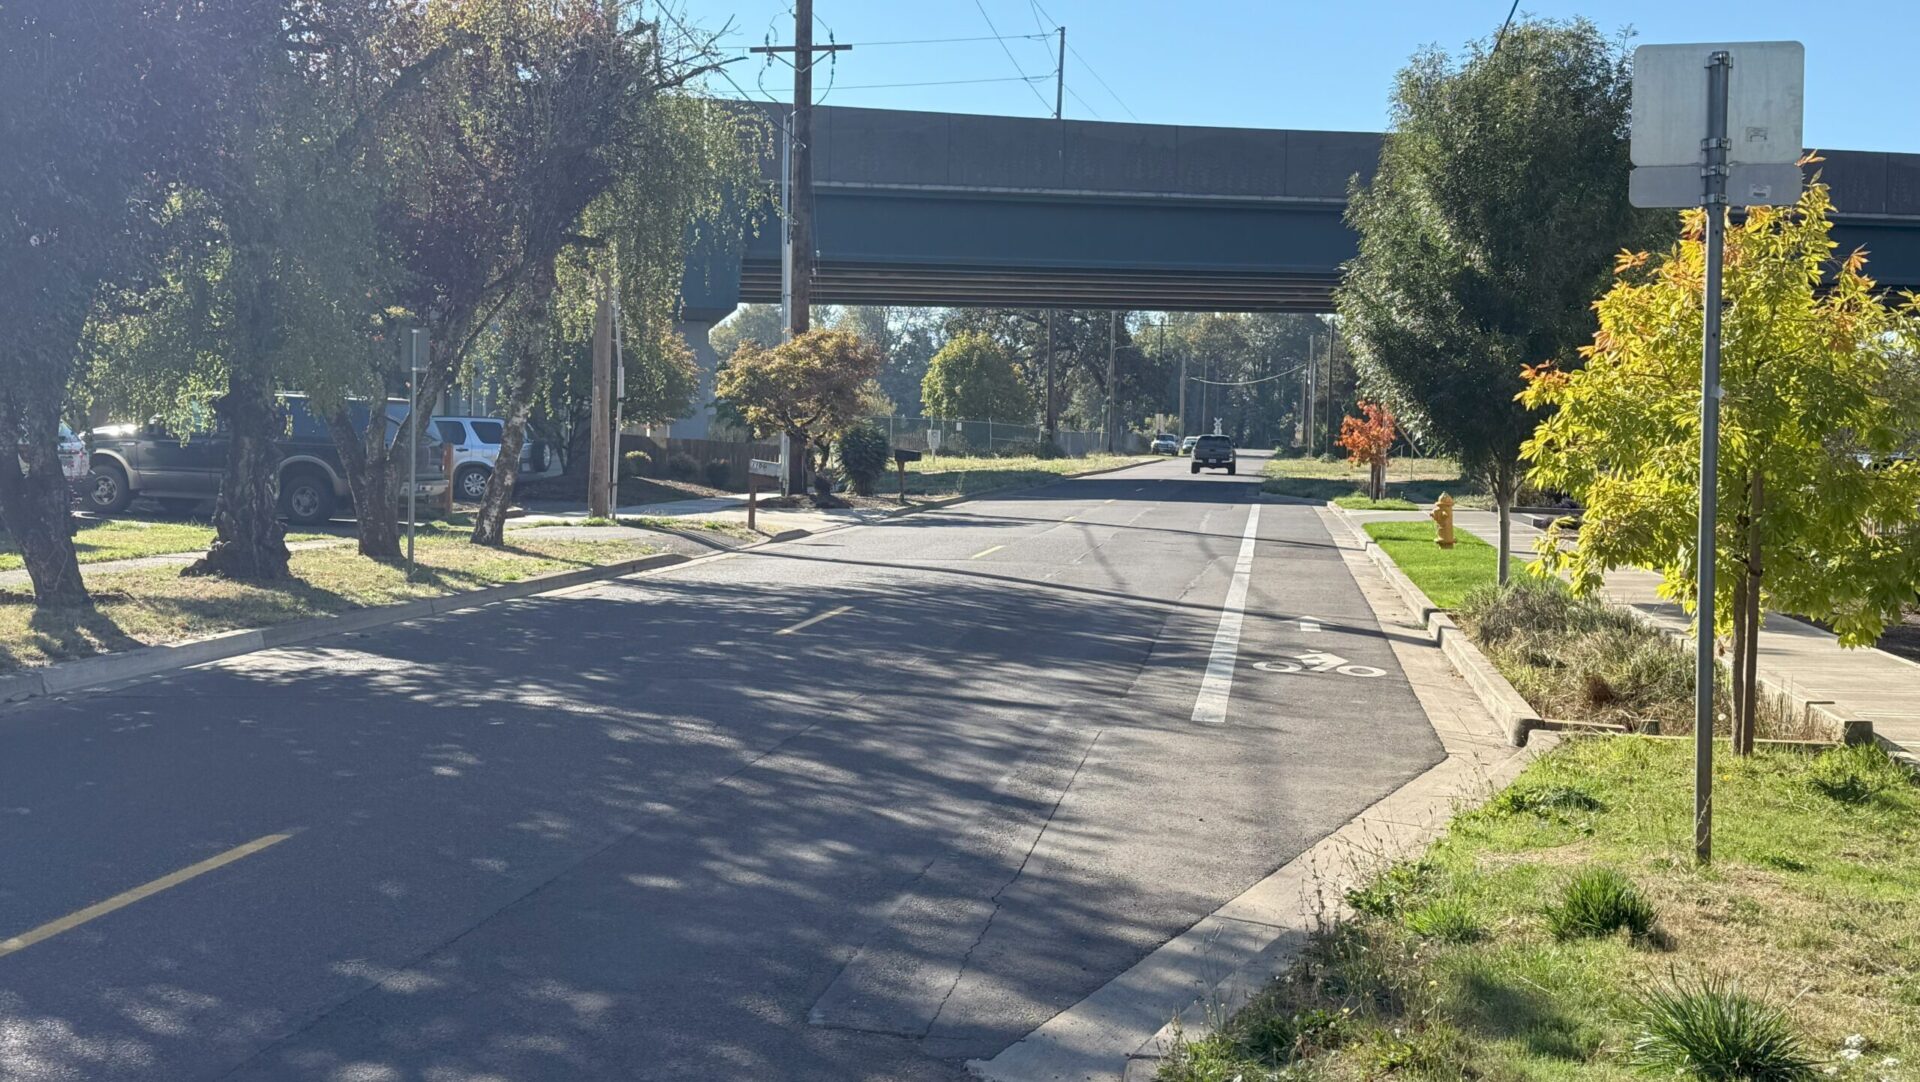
x=1451, y=969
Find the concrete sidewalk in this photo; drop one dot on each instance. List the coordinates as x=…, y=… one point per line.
x=1796, y=656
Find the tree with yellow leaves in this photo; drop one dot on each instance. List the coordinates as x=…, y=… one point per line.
x=1819, y=508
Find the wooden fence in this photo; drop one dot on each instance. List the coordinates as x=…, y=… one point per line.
x=693, y=460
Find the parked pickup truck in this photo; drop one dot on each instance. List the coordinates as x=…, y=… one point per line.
x=476, y=447
x=181, y=472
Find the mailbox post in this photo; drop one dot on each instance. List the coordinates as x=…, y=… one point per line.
x=756, y=469
x=902, y=456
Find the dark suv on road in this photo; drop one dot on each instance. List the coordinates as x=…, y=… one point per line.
x=1212, y=453
x=183, y=472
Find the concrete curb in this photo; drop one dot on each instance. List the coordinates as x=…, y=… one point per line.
x=1515, y=716
x=93, y=672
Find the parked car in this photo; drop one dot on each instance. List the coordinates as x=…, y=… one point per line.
x=1186, y=445
x=183, y=471
x=72, y=453
x=1212, y=453
x=476, y=449
x=1166, y=443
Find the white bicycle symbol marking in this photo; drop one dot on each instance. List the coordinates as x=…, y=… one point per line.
x=1318, y=662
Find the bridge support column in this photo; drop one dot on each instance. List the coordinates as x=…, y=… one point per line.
x=698, y=423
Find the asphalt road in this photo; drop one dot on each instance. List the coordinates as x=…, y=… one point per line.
x=855, y=807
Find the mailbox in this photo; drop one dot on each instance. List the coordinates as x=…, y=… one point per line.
x=903, y=456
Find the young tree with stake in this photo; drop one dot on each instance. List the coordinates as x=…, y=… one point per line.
x=1819, y=505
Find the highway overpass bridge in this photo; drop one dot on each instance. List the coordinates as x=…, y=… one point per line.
x=915, y=208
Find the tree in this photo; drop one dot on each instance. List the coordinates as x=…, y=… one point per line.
x=1367, y=440
x=1489, y=228
x=1819, y=509
x=973, y=377
x=811, y=387
x=103, y=110
x=756, y=323
x=294, y=192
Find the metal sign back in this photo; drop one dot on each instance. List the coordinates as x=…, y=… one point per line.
x=1747, y=185
x=1766, y=92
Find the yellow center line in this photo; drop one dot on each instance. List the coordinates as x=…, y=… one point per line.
x=146, y=890
x=986, y=552
x=812, y=620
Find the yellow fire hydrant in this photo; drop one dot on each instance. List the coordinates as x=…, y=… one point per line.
x=1442, y=515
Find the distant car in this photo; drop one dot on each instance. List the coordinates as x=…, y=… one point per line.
x=71, y=450
x=1212, y=453
x=183, y=472
x=476, y=449
x=1186, y=445
x=1166, y=443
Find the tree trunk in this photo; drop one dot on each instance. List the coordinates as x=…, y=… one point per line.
x=1504, y=482
x=35, y=506
x=529, y=341
x=367, y=460
x=797, y=463
x=250, y=543
x=35, y=509
x=1748, y=675
x=1742, y=642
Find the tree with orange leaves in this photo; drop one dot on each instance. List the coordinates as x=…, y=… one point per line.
x=1819, y=498
x=1367, y=439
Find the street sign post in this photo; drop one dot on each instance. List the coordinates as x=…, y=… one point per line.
x=756, y=469
x=1734, y=141
x=417, y=351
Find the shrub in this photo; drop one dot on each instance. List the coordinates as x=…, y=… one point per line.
x=681, y=466
x=1599, y=902
x=635, y=463
x=1386, y=894
x=1048, y=449
x=864, y=454
x=1854, y=775
x=718, y=473
x=1711, y=1031
x=1448, y=920
x=1544, y=800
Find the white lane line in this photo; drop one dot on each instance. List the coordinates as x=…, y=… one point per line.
x=812, y=620
x=1310, y=627
x=1211, y=707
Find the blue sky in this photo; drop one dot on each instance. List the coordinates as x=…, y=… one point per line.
x=1291, y=63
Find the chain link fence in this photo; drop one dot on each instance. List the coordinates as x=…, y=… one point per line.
x=944, y=436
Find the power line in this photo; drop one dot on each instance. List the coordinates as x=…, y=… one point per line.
x=668, y=12
x=931, y=41
x=948, y=82
x=1083, y=103
x=1010, y=58
x=1246, y=382
x=1502, y=35
x=1091, y=70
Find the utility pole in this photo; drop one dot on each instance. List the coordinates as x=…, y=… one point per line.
x=1051, y=419
x=600, y=411
x=1329, y=391
x=1060, y=72
x=799, y=176
x=1113, y=345
x=1312, y=414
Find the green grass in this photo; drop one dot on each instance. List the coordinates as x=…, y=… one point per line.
x=1809, y=906
x=1358, y=502
x=950, y=475
x=1445, y=575
x=127, y=539
x=1411, y=480
x=156, y=605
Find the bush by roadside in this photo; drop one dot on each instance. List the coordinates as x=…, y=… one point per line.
x=1794, y=950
